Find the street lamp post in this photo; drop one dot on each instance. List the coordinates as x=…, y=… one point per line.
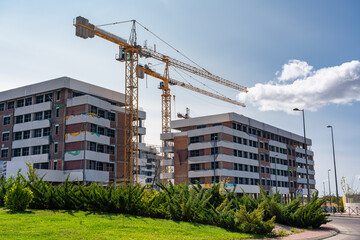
x=276, y=182
x=329, y=187
x=306, y=157
x=324, y=188
x=337, y=192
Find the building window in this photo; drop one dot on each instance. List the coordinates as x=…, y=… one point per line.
x=18, y=136
x=93, y=109
x=2, y=106
x=4, y=153
x=58, y=95
x=56, y=147
x=20, y=103
x=99, y=166
x=214, y=137
x=194, y=153
x=10, y=105
x=101, y=131
x=46, y=131
x=214, y=165
x=110, y=149
x=194, y=167
x=100, y=148
x=48, y=97
x=39, y=99
x=26, y=134
x=25, y=151
x=194, y=139
x=194, y=180
x=38, y=116
x=111, y=116
x=6, y=120
x=101, y=113
x=37, y=133
x=93, y=128
x=5, y=136
x=28, y=101
x=55, y=165
x=111, y=133
x=36, y=150
x=92, y=146
x=27, y=117
x=47, y=114
x=214, y=150
x=19, y=119
x=45, y=149
x=57, y=129
x=216, y=179
x=200, y=126
x=17, y=152
x=57, y=112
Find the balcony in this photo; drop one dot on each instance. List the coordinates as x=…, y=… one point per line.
x=166, y=175
x=32, y=108
x=87, y=118
x=31, y=142
x=31, y=125
x=167, y=162
x=167, y=136
x=168, y=149
x=142, y=131
x=89, y=136
x=89, y=155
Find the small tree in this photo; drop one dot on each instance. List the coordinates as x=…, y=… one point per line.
x=18, y=197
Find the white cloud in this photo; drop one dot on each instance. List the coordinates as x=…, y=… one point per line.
x=310, y=90
x=294, y=69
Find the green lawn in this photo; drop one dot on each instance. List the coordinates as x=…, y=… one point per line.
x=46, y=224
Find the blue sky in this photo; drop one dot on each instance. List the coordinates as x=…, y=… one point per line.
x=247, y=42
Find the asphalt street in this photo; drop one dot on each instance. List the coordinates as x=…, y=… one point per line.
x=349, y=228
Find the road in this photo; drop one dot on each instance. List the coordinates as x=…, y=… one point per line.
x=349, y=228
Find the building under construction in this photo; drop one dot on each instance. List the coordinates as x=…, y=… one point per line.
x=67, y=127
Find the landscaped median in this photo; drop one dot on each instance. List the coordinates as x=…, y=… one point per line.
x=194, y=204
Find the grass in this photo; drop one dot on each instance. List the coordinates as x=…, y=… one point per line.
x=47, y=224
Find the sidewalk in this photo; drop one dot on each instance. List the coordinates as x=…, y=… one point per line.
x=325, y=231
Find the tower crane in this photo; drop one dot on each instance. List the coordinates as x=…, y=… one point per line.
x=129, y=53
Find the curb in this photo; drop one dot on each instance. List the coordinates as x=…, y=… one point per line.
x=333, y=232
x=329, y=231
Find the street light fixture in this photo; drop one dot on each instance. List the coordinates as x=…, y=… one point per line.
x=306, y=157
x=337, y=192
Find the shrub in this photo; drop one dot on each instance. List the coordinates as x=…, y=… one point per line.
x=18, y=197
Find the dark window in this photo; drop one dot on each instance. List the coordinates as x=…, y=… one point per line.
x=6, y=120
x=5, y=136
x=100, y=148
x=235, y=166
x=110, y=168
x=56, y=129
x=58, y=95
x=244, y=142
x=214, y=150
x=20, y=103
x=17, y=152
x=214, y=165
x=47, y=114
x=92, y=146
x=101, y=131
x=194, y=167
x=93, y=128
x=201, y=126
x=27, y=117
x=38, y=116
x=99, y=166
x=10, y=105
x=111, y=133
x=261, y=145
x=110, y=149
x=194, y=153
x=48, y=97
x=45, y=149
x=194, y=139
x=2, y=106
x=194, y=180
x=92, y=164
x=101, y=113
x=37, y=133
x=214, y=137
x=235, y=153
x=93, y=109
x=25, y=151
x=55, y=165
x=111, y=116
x=19, y=119
x=57, y=112
x=46, y=131
x=18, y=136
x=26, y=134
x=216, y=179
x=56, y=147
x=28, y=101
x=4, y=153
x=39, y=99
x=36, y=150
x=262, y=170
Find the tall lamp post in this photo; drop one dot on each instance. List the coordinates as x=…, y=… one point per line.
x=337, y=192
x=329, y=187
x=306, y=157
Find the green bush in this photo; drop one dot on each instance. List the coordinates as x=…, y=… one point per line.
x=18, y=197
x=5, y=185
